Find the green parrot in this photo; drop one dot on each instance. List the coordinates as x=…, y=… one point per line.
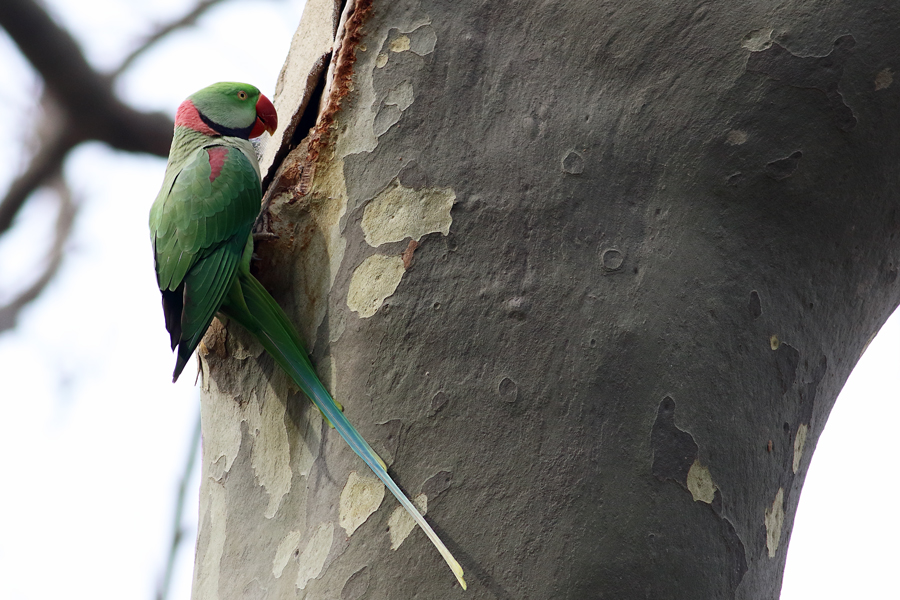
x=200, y=228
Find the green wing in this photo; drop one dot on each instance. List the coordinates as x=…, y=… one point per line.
x=199, y=229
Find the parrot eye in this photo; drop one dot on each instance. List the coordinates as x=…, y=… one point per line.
x=242, y=95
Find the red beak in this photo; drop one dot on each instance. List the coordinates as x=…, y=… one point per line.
x=266, y=117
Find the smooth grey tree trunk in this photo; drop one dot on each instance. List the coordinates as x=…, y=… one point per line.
x=589, y=275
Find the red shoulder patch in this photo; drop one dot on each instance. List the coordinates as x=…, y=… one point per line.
x=217, y=156
x=188, y=116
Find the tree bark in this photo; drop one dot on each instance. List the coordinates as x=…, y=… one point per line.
x=589, y=275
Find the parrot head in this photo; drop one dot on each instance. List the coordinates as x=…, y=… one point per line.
x=228, y=108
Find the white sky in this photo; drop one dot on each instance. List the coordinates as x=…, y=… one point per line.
x=96, y=434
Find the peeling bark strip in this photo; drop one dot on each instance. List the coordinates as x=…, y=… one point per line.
x=662, y=200
x=338, y=86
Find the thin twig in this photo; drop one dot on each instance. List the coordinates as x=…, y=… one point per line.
x=187, y=20
x=85, y=107
x=9, y=313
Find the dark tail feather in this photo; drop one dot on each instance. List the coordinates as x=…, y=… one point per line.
x=173, y=303
x=184, y=353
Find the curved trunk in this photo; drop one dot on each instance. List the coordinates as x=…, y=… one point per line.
x=588, y=275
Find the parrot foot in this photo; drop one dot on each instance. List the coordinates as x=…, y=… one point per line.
x=259, y=236
x=262, y=228
x=340, y=407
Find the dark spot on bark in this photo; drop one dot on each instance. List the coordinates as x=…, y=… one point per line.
x=450, y=242
x=674, y=450
x=438, y=401
x=389, y=436
x=508, y=390
x=517, y=308
x=612, y=259
x=786, y=360
x=736, y=548
x=413, y=176
x=822, y=73
x=808, y=391
x=573, y=163
x=356, y=585
x=755, y=304
x=784, y=167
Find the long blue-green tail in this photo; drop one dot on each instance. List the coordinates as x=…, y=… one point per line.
x=250, y=304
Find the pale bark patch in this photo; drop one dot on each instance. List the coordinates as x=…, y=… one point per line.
x=884, y=79
x=700, y=483
x=286, y=548
x=400, y=44
x=799, y=443
x=401, y=96
x=206, y=577
x=736, y=137
x=401, y=523
x=417, y=36
x=312, y=559
x=360, y=497
x=271, y=454
x=757, y=40
x=399, y=212
x=774, y=521
x=374, y=280
x=221, y=428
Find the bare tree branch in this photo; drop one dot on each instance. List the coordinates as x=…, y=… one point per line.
x=87, y=96
x=9, y=313
x=88, y=110
x=46, y=164
x=186, y=21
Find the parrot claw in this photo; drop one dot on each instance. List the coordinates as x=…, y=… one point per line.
x=259, y=236
x=340, y=407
